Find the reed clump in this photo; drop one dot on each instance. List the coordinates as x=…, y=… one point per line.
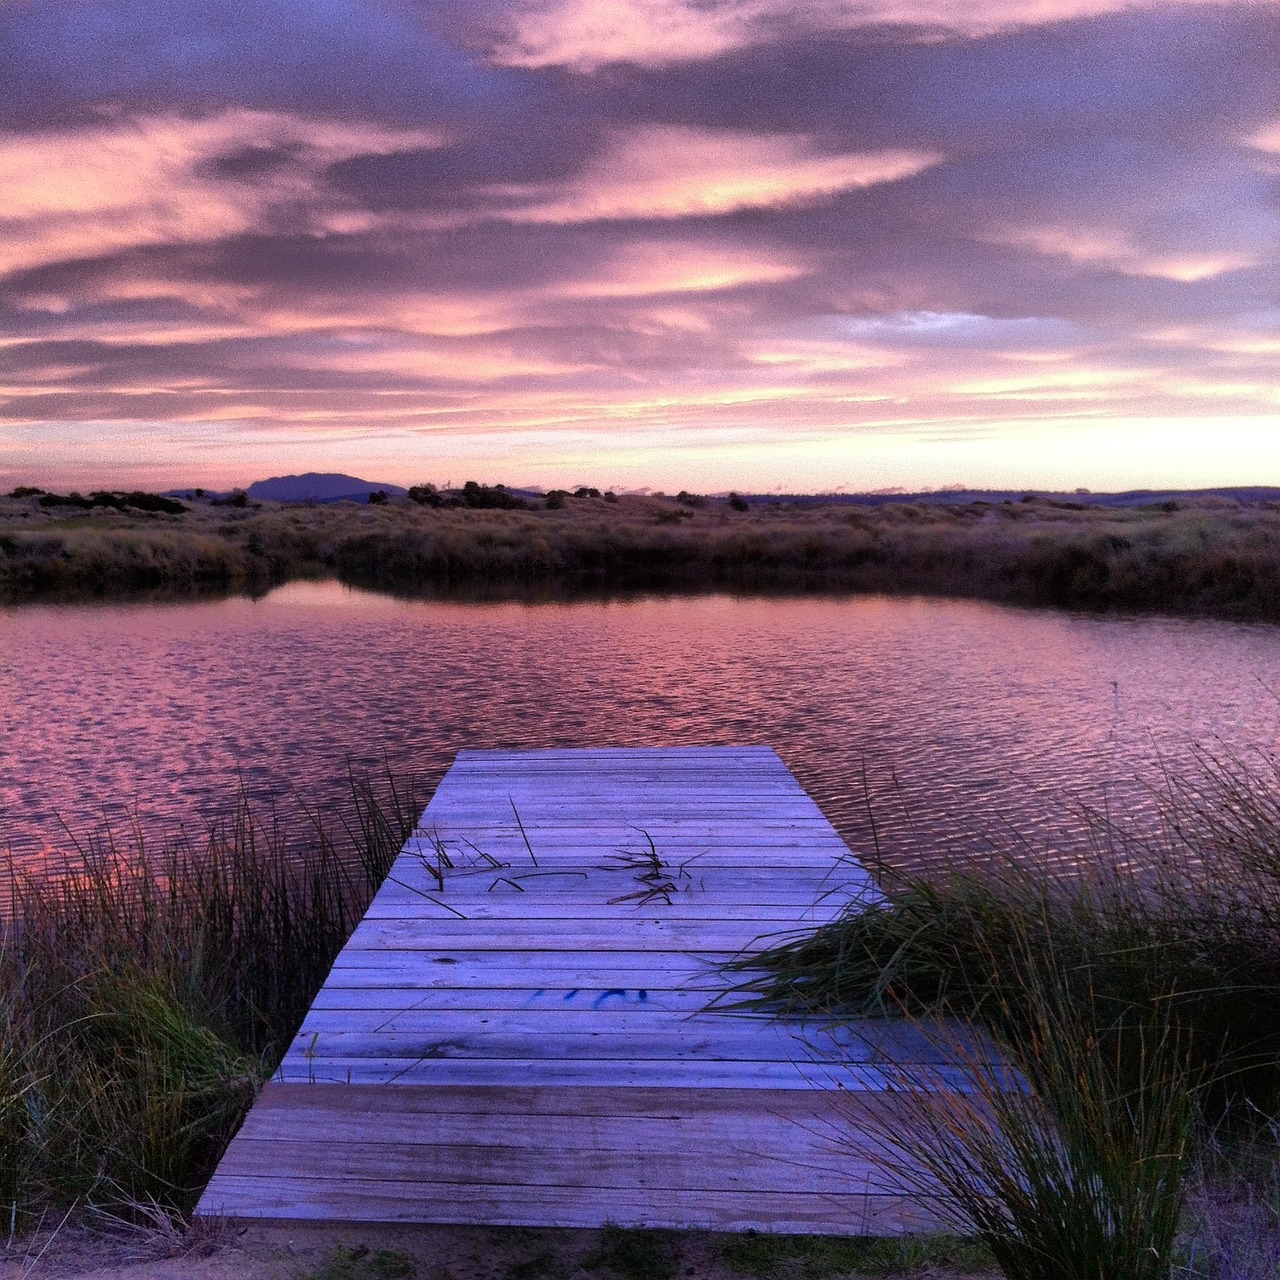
x=145, y=995
x=1182, y=922
x=1067, y=1155
x=1133, y=1009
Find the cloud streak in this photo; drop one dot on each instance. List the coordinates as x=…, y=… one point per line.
x=586, y=35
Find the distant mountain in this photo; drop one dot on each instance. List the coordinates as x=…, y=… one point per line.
x=319, y=487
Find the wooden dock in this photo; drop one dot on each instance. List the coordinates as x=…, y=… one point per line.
x=518, y=1032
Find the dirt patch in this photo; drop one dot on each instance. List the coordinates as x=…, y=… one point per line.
x=229, y=1252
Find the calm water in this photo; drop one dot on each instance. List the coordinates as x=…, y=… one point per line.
x=963, y=718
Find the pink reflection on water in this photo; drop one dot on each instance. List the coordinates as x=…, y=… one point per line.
x=964, y=717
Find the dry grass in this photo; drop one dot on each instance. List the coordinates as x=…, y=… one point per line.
x=1213, y=557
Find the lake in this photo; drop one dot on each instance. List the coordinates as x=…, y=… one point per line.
x=946, y=723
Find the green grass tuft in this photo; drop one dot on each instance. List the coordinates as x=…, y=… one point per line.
x=361, y=1263
x=635, y=1253
x=779, y=1257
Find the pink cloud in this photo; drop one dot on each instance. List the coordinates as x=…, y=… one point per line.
x=145, y=180
x=589, y=34
x=674, y=172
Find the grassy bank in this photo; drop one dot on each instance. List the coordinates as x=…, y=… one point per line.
x=145, y=995
x=1213, y=557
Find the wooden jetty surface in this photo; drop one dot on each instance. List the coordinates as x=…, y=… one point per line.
x=518, y=1031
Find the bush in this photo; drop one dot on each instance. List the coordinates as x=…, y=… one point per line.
x=72, y=499
x=425, y=495
x=152, y=502
x=483, y=498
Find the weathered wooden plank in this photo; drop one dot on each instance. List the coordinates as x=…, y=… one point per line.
x=674, y=1073
x=423, y=904
x=525, y=965
x=373, y=1112
x=486, y=1000
x=658, y=1103
x=369, y=1200
x=703, y=884
x=586, y=1016
x=628, y=1019
x=459, y=976
x=637, y=1039
x=487, y=759
x=600, y=936
x=710, y=1151
x=726, y=1165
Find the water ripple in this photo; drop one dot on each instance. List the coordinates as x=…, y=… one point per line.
x=964, y=719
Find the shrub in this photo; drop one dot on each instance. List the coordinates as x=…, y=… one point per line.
x=483, y=498
x=425, y=495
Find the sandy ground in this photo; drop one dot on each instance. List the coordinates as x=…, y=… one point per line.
x=229, y=1252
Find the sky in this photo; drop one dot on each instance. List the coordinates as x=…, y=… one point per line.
x=702, y=244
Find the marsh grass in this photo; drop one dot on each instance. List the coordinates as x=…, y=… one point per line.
x=1180, y=925
x=1210, y=556
x=145, y=994
x=1066, y=1155
x=1134, y=1004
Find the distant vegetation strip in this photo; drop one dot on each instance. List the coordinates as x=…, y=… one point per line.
x=1212, y=556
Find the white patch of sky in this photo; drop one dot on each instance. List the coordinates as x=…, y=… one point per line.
x=960, y=327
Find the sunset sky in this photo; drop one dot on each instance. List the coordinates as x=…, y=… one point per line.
x=703, y=244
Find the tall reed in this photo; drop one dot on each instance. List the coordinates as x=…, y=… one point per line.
x=1128, y=1004
x=145, y=994
x=1180, y=921
x=1067, y=1153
